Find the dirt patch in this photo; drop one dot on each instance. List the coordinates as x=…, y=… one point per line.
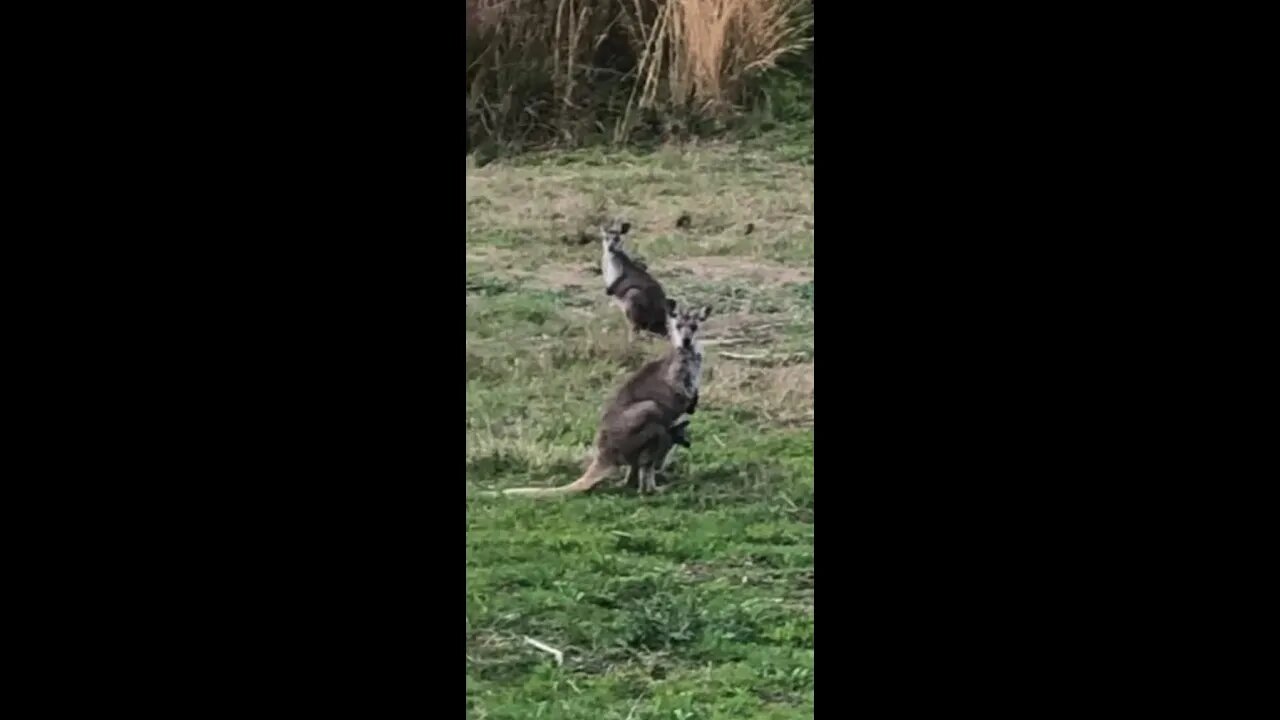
x=720, y=267
x=784, y=393
x=560, y=276
x=729, y=328
x=552, y=275
x=482, y=253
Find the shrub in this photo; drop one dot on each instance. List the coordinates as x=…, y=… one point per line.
x=580, y=71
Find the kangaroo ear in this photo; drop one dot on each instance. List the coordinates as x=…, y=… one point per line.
x=626, y=228
x=705, y=312
x=671, y=307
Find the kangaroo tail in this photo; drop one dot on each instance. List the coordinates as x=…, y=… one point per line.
x=597, y=472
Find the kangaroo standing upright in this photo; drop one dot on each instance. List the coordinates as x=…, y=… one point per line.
x=639, y=426
x=634, y=290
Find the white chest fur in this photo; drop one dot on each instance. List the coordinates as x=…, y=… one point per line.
x=611, y=268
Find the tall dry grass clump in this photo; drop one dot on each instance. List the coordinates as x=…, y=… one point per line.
x=567, y=70
x=699, y=55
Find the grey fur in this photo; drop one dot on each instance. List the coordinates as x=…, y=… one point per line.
x=641, y=298
x=641, y=423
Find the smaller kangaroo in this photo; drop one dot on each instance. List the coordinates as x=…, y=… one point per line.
x=632, y=288
x=643, y=420
x=678, y=437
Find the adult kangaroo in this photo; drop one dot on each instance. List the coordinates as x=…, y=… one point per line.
x=643, y=420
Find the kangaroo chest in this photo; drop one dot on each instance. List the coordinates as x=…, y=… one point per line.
x=687, y=374
x=611, y=267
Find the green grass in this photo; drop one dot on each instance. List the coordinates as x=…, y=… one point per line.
x=697, y=603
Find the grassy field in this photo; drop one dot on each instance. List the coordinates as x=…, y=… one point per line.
x=696, y=603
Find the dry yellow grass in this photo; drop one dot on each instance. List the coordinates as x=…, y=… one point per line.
x=722, y=186
x=686, y=56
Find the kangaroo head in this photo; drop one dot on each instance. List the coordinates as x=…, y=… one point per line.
x=611, y=235
x=682, y=324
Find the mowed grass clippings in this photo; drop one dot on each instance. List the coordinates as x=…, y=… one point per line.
x=696, y=603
